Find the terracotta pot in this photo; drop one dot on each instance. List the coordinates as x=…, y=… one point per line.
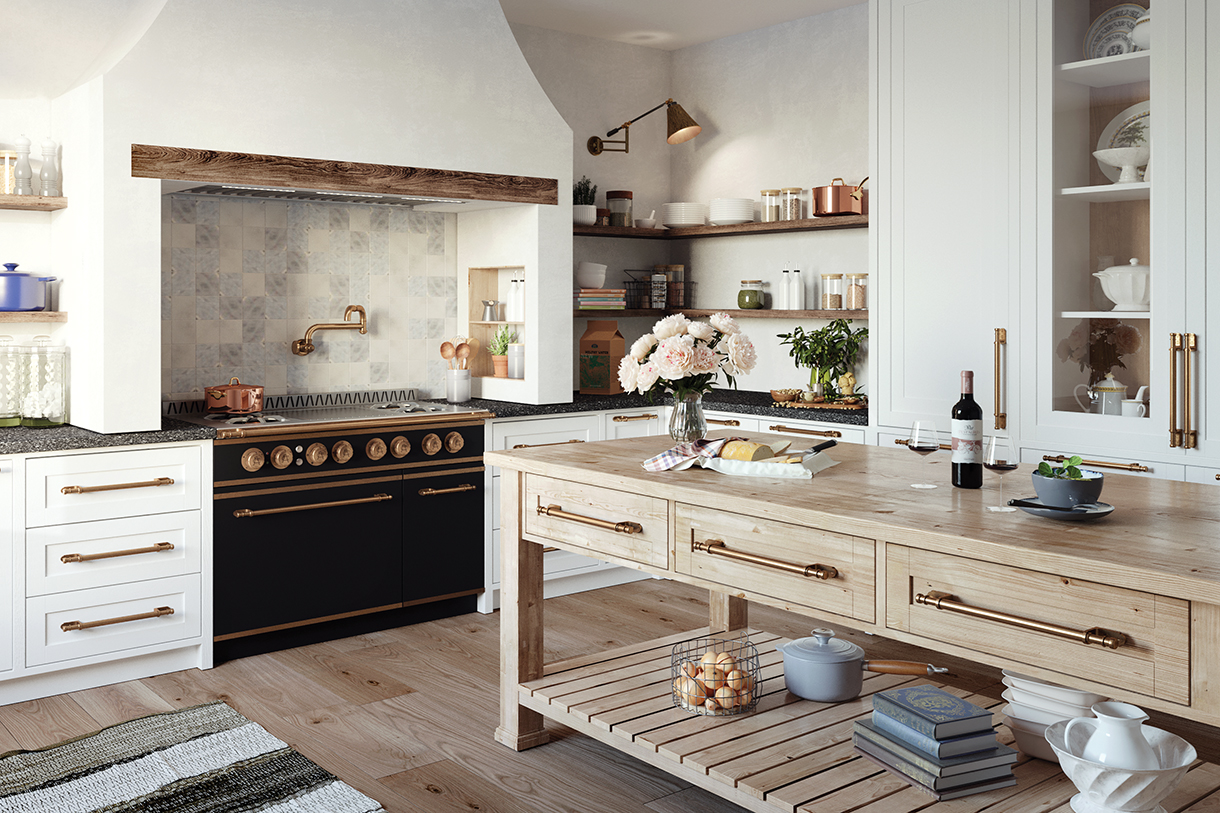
x=499, y=366
x=234, y=398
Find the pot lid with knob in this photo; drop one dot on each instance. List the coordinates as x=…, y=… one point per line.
x=823, y=647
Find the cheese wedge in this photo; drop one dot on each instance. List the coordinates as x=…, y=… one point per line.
x=746, y=450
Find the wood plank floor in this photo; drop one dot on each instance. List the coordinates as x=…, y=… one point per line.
x=407, y=715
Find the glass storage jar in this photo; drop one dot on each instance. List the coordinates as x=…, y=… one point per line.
x=857, y=292
x=620, y=208
x=832, y=292
x=790, y=208
x=770, y=205
x=12, y=390
x=45, y=398
x=751, y=295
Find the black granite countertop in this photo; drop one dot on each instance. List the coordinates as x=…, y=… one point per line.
x=21, y=440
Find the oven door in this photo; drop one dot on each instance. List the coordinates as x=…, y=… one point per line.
x=304, y=553
x=443, y=537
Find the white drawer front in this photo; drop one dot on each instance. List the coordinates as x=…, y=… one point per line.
x=47, y=642
x=47, y=572
x=814, y=432
x=47, y=477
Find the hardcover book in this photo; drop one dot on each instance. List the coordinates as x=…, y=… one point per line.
x=932, y=711
x=948, y=747
x=929, y=780
x=949, y=766
x=944, y=795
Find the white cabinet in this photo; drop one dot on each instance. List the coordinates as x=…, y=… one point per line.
x=729, y=421
x=813, y=431
x=634, y=423
x=950, y=163
x=6, y=562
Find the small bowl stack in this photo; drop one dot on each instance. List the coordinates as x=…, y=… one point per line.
x=1034, y=704
x=680, y=215
x=731, y=211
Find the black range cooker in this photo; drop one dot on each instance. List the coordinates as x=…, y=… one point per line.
x=334, y=521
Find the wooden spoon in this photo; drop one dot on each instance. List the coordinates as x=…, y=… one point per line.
x=463, y=353
x=447, y=353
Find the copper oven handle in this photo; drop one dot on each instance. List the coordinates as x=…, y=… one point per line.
x=1001, y=417
x=432, y=492
x=1175, y=434
x=160, y=547
x=945, y=601
x=1190, y=435
x=556, y=443
x=242, y=513
x=160, y=481
x=907, y=442
x=829, y=433
x=1101, y=464
x=729, y=422
x=604, y=524
x=72, y=626
x=647, y=416
x=716, y=547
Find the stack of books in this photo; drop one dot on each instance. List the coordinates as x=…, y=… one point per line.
x=935, y=741
x=601, y=299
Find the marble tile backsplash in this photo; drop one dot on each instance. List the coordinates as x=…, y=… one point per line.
x=241, y=279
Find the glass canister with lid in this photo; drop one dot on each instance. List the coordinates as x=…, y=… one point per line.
x=12, y=371
x=790, y=208
x=770, y=205
x=832, y=292
x=751, y=294
x=857, y=292
x=44, y=400
x=619, y=202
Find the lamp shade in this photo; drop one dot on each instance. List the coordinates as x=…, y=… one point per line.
x=681, y=126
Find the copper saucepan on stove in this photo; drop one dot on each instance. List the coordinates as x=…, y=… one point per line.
x=840, y=199
x=234, y=398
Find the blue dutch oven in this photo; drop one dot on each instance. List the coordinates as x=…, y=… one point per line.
x=22, y=292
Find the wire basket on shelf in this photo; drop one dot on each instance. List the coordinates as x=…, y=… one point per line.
x=680, y=294
x=715, y=676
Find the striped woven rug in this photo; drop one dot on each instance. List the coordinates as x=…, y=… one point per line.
x=205, y=759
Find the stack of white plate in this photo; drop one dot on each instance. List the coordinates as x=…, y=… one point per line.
x=678, y=215
x=731, y=211
x=1034, y=704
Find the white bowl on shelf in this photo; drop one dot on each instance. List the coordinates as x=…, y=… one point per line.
x=679, y=215
x=1126, y=159
x=1029, y=713
x=1031, y=739
x=1054, y=691
x=1042, y=703
x=590, y=275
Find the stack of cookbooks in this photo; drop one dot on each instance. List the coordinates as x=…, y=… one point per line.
x=935, y=741
x=601, y=299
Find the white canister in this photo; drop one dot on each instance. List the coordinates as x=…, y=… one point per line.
x=457, y=386
x=516, y=361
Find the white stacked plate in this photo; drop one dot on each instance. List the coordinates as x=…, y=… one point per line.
x=679, y=215
x=1035, y=704
x=731, y=211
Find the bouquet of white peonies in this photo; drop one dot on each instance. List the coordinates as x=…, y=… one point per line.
x=684, y=357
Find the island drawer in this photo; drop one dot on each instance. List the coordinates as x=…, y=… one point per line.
x=601, y=520
x=1128, y=639
x=822, y=570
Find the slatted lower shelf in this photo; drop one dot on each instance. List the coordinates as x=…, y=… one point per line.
x=789, y=755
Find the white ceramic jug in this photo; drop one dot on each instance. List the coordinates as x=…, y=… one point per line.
x=1118, y=737
x=1105, y=397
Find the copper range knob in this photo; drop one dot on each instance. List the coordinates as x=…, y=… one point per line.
x=375, y=449
x=253, y=459
x=431, y=444
x=281, y=457
x=454, y=442
x=316, y=454
x=400, y=446
x=342, y=451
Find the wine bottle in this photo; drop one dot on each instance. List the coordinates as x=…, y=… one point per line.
x=967, y=437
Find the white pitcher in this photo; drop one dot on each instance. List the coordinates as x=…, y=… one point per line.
x=1118, y=737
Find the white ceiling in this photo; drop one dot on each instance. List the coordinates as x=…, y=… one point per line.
x=663, y=24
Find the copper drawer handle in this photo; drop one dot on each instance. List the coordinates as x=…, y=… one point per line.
x=72, y=626
x=160, y=547
x=817, y=433
x=945, y=601
x=160, y=481
x=1101, y=464
x=604, y=524
x=432, y=492
x=556, y=443
x=1001, y=417
x=729, y=422
x=243, y=513
x=647, y=416
x=716, y=547
x=907, y=442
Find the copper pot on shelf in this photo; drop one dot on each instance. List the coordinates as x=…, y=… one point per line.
x=234, y=398
x=840, y=199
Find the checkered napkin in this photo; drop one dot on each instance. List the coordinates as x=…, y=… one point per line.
x=704, y=453
x=684, y=455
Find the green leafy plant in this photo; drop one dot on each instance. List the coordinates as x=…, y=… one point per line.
x=828, y=352
x=584, y=192
x=498, y=346
x=1070, y=470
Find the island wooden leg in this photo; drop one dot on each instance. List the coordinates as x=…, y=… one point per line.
x=521, y=656
x=727, y=612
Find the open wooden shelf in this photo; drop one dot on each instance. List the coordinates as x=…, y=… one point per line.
x=778, y=227
x=598, y=313
x=33, y=203
x=766, y=313
x=33, y=316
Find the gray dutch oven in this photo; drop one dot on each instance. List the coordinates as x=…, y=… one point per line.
x=20, y=291
x=830, y=670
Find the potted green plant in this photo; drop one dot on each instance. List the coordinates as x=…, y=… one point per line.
x=828, y=352
x=1067, y=485
x=584, y=202
x=498, y=347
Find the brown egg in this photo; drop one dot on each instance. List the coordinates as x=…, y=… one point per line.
x=712, y=679
x=711, y=705
x=690, y=669
x=737, y=679
x=745, y=697
x=709, y=659
x=726, y=662
x=726, y=697
x=693, y=692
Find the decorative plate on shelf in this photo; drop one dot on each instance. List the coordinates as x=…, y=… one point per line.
x=1110, y=33
x=1122, y=130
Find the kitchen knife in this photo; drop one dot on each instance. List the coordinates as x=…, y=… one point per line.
x=807, y=457
x=1030, y=504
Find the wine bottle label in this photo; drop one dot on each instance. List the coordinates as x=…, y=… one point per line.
x=967, y=441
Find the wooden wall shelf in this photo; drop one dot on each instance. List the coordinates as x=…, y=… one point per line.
x=26, y=317
x=780, y=227
x=701, y=313
x=33, y=203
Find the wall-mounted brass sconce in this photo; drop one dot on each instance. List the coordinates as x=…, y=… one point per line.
x=303, y=347
x=681, y=128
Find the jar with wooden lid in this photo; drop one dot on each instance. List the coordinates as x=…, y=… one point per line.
x=750, y=296
x=857, y=292
x=832, y=292
x=790, y=203
x=770, y=205
x=619, y=202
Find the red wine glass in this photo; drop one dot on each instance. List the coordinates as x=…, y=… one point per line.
x=923, y=442
x=1001, y=458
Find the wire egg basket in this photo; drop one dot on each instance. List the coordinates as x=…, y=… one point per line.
x=716, y=676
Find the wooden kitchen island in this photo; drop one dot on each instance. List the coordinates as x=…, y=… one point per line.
x=1127, y=606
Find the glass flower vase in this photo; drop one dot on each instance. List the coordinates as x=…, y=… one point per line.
x=686, y=421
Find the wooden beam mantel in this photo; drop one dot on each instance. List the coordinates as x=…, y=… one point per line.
x=216, y=166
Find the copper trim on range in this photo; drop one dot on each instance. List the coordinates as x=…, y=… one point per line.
x=536, y=445
x=357, y=426
x=819, y=433
x=70, y=558
x=72, y=626
x=1101, y=464
x=945, y=601
x=1001, y=417
x=647, y=416
x=160, y=481
x=432, y=492
x=243, y=513
x=604, y=524
x=716, y=547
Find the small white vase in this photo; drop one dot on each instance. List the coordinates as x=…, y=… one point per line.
x=584, y=214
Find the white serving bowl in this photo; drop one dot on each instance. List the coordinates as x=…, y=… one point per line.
x=1126, y=286
x=1127, y=160
x=1036, y=701
x=1031, y=739
x=1029, y=713
x=1065, y=694
x=590, y=275
x=646, y=223
x=1104, y=788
